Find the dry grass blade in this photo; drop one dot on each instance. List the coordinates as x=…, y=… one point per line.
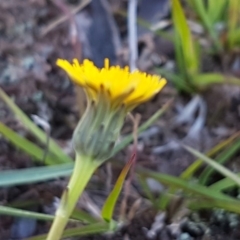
x=62, y=19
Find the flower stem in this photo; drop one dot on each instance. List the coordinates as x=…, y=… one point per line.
x=82, y=172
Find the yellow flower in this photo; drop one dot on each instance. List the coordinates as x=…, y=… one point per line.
x=112, y=92
x=118, y=84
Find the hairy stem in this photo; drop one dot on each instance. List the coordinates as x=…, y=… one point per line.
x=83, y=170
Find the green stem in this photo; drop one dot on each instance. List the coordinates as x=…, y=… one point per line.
x=83, y=170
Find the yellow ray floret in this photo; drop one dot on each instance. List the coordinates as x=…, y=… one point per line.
x=132, y=88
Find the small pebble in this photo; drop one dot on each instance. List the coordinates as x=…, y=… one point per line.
x=185, y=236
x=194, y=229
x=23, y=228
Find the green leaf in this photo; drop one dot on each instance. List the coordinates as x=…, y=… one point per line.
x=33, y=175
x=185, y=38
x=26, y=146
x=215, y=165
x=206, y=79
x=37, y=132
x=109, y=205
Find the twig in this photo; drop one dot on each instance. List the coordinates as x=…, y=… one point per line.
x=123, y=208
x=91, y=206
x=62, y=19
x=132, y=34
x=132, y=212
x=73, y=27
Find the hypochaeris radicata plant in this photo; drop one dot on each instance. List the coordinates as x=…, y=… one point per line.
x=111, y=93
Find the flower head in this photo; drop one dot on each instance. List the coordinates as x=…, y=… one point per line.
x=112, y=92
x=118, y=84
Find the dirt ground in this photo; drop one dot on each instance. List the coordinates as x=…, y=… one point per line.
x=33, y=34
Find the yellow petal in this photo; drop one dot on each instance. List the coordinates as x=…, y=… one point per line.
x=120, y=84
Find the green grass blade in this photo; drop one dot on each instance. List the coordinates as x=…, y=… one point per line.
x=201, y=11
x=185, y=38
x=216, y=10
x=190, y=171
x=23, y=213
x=32, y=175
x=223, y=184
x=181, y=80
x=96, y=228
x=215, y=165
x=178, y=80
x=77, y=215
x=92, y=228
x=37, y=132
x=192, y=188
x=222, y=159
x=194, y=191
x=203, y=81
x=173, y=182
x=231, y=206
x=26, y=146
